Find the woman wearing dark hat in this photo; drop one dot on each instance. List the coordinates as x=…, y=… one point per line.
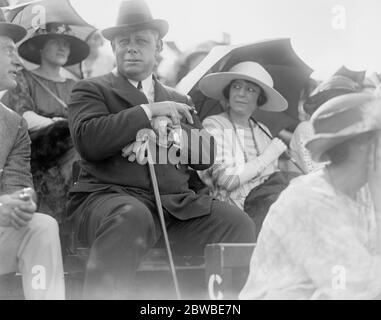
x=246, y=155
x=335, y=86
x=41, y=97
x=317, y=242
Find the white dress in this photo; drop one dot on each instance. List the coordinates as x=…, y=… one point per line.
x=320, y=245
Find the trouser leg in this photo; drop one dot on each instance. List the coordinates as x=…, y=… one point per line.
x=120, y=230
x=35, y=252
x=226, y=223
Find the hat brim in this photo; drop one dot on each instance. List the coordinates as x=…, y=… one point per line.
x=30, y=48
x=157, y=24
x=321, y=143
x=314, y=102
x=13, y=31
x=213, y=85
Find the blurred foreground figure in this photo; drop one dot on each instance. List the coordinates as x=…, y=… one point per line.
x=29, y=241
x=317, y=242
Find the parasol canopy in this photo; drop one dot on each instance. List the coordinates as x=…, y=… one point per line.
x=277, y=56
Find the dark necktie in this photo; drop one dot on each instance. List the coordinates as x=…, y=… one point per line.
x=139, y=86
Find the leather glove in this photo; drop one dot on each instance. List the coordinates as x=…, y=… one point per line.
x=137, y=149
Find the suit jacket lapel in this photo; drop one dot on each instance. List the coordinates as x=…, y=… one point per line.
x=124, y=89
x=161, y=94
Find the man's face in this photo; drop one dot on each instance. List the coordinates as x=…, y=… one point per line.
x=136, y=53
x=9, y=63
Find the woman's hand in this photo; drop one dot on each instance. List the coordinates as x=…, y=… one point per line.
x=273, y=151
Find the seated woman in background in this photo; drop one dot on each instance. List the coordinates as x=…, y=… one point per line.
x=317, y=242
x=99, y=61
x=246, y=153
x=335, y=86
x=41, y=97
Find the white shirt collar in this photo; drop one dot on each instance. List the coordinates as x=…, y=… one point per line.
x=147, y=84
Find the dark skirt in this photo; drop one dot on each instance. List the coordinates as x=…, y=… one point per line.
x=258, y=202
x=52, y=159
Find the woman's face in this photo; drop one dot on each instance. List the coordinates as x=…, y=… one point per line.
x=55, y=51
x=362, y=152
x=95, y=41
x=243, y=97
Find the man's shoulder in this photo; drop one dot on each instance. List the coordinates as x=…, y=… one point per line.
x=176, y=95
x=9, y=115
x=99, y=81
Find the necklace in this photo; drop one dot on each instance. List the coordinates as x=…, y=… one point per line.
x=239, y=141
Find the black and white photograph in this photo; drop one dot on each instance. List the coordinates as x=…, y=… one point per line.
x=204, y=151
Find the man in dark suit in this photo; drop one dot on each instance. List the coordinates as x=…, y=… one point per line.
x=112, y=203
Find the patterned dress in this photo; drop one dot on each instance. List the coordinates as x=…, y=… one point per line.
x=315, y=243
x=224, y=175
x=52, y=183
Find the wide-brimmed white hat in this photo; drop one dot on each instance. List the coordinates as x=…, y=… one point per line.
x=342, y=118
x=212, y=85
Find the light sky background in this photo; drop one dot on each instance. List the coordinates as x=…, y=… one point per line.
x=325, y=33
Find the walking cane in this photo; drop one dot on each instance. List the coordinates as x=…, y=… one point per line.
x=162, y=220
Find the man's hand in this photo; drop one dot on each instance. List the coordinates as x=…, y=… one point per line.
x=174, y=110
x=16, y=209
x=161, y=125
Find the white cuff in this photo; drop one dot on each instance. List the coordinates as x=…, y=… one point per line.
x=147, y=111
x=35, y=121
x=250, y=170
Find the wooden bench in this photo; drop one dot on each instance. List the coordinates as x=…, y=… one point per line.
x=227, y=268
x=154, y=280
x=221, y=275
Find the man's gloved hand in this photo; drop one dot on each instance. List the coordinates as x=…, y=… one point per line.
x=136, y=151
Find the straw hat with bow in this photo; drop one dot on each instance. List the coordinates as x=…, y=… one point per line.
x=343, y=118
x=212, y=85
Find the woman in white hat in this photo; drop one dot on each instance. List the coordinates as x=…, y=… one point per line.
x=41, y=97
x=317, y=241
x=246, y=155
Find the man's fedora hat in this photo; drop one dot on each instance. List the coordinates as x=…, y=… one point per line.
x=30, y=48
x=342, y=118
x=212, y=85
x=11, y=30
x=133, y=15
